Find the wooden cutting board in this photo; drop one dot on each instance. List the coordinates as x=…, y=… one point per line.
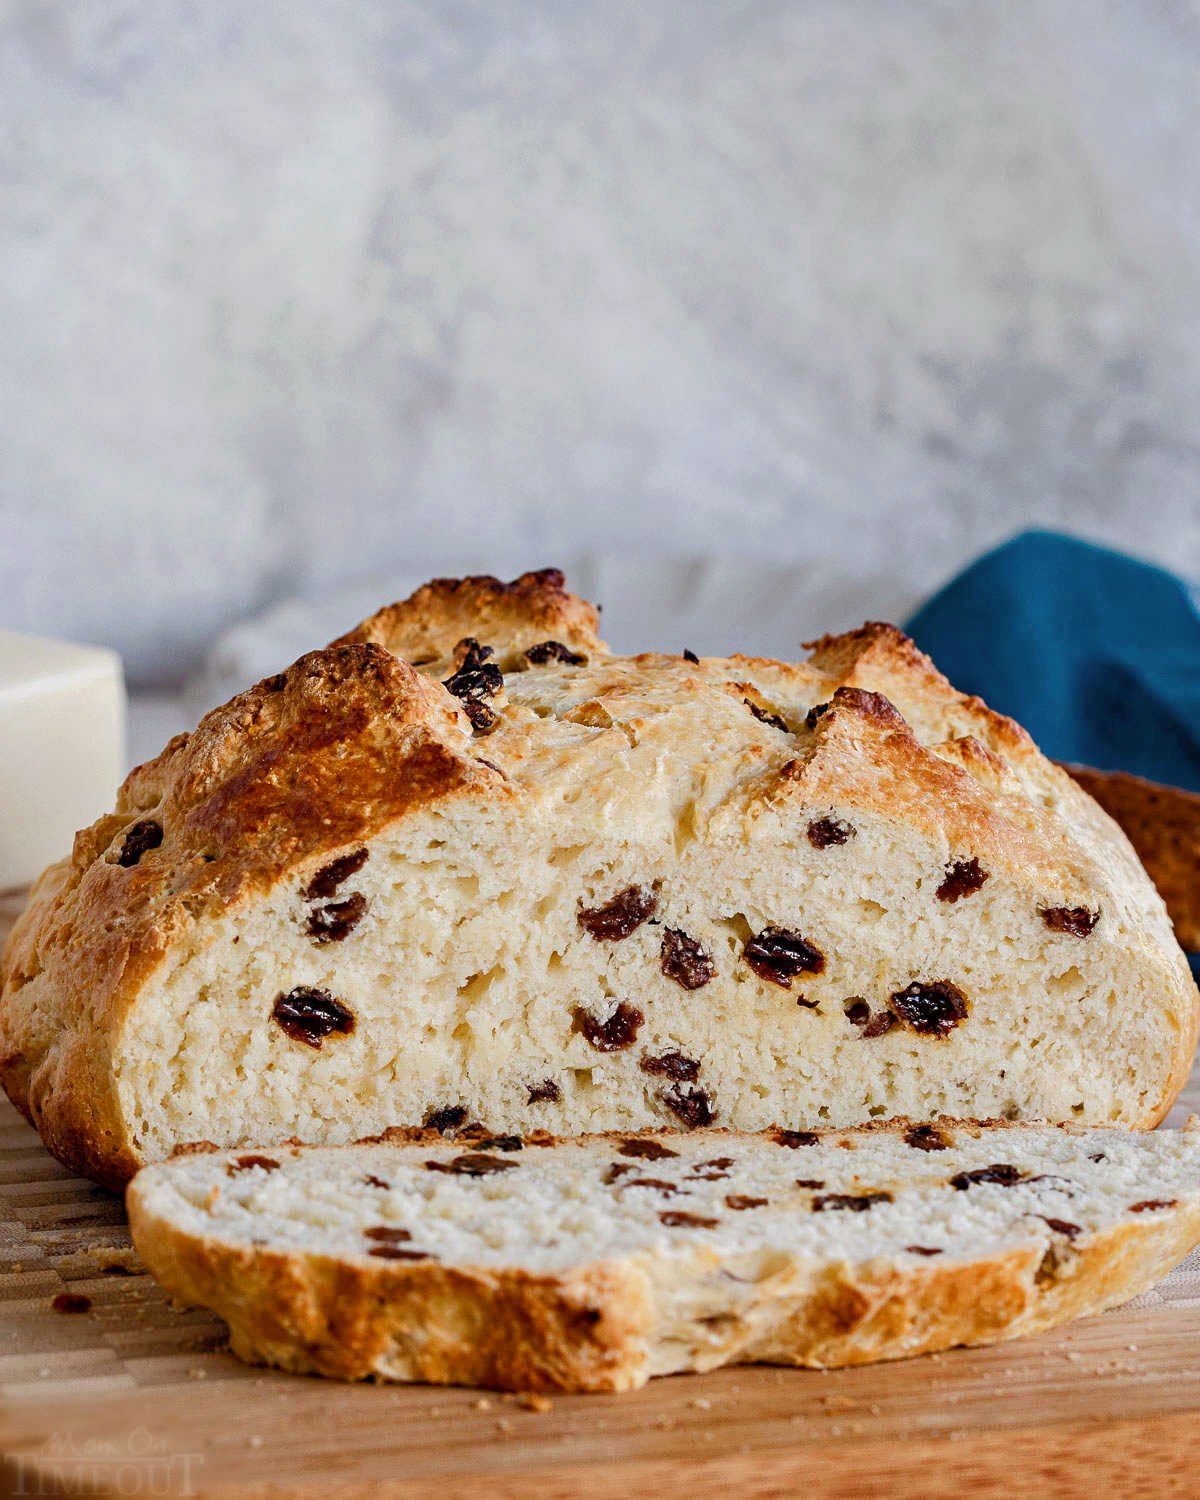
x=134, y=1397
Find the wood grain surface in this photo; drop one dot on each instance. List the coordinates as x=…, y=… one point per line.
x=134, y=1397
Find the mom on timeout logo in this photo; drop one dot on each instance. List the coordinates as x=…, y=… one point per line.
x=139, y=1464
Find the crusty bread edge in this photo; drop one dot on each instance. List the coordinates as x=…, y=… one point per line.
x=1163, y=825
x=584, y=1330
x=595, y=1327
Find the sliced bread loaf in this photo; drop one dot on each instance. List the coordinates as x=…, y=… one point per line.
x=466, y=865
x=595, y=1263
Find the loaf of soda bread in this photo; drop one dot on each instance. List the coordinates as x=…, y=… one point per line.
x=592, y=1264
x=466, y=866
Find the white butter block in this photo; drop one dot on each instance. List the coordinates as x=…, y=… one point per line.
x=62, y=748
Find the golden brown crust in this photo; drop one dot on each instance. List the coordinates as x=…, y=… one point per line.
x=344, y=742
x=863, y=752
x=504, y=1329
x=509, y=616
x=1163, y=825
x=293, y=769
x=882, y=658
x=601, y=1327
x=865, y=1314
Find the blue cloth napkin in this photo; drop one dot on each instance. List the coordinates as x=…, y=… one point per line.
x=1096, y=653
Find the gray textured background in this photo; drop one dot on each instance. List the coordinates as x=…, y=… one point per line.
x=296, y=293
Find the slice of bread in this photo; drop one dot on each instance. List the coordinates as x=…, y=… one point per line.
x=595, y=1263
x=467, y=865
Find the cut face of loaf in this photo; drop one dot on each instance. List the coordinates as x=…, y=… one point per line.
x=466, y=866
x=593, y=1264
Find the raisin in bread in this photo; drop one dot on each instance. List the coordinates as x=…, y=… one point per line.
x=466, y=866
x=595, y=1263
